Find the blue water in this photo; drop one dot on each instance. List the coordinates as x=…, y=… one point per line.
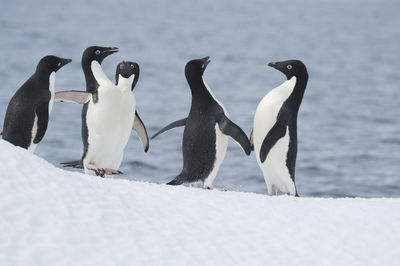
x=349, y=121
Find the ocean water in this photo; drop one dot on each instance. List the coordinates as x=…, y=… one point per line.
x=349, y=121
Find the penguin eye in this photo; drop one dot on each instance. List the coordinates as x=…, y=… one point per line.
x=132, y=66
x=289, y=67
x=97, y=52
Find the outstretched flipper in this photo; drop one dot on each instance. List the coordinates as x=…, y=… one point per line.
x=234, y=131
x=178, y=123
x=73, y=164
x=42, y=113
x=277, y=132
x=251, y=140
x=80, y=97
x=140, y=129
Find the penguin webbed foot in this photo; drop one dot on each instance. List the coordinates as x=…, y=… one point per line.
x=100, y=172
x=103, y=171
x=216, y=188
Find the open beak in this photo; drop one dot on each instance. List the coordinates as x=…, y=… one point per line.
x=206, y=60
x=111, y=50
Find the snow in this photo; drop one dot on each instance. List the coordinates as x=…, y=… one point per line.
x=49, y=216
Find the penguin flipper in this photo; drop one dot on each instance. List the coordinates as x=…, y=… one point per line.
x=178, y=123
x=234, y=131
x=80, y=97
x=277, y=132
x=42, y=113
x=141, y=131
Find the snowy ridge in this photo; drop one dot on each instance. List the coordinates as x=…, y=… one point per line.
x=49, y=216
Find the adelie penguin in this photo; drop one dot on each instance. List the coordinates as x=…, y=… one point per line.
x=109, y=115
x=274, y=134
x=28, y=112
x=205, y=137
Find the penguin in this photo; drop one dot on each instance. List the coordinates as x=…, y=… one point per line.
x=108, y=116
x=207, y=128
x=274, y=135
x=126, y=78
x=28, y=112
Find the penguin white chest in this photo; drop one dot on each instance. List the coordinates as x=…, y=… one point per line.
x=109, y=123
x=274, y=167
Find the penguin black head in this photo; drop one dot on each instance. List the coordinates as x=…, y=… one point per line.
x=97, y=53
x=291, y=68
x=195, y=68
x=51, y=63
x=126, y=69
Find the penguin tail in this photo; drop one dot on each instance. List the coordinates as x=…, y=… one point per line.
x=73, y=164
x=176, y=181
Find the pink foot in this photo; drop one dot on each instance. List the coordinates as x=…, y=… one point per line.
x=103, y=171
x=273, y=191
x=216, y=188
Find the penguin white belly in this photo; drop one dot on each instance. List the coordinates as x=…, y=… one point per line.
x=127, y=117
x=274, y=167
x=32, y=146
x=275, y=171
x=109, y=123
x=221, y=144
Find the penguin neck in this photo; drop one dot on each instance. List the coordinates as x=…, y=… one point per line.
x=201, y=95
x=298, y=92
x=91, y=82
x=43, y=74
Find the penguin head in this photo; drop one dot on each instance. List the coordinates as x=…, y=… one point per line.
x=97, y=53
x=51, y=63
x=291, y=68
x=195, y=68
x=126, y=70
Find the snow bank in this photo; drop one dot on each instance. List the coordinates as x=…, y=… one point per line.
x=49, y=216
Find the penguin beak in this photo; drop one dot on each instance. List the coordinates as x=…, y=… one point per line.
x=206, y=60
x=111, y=50
x=273, y=64
x=66, y=61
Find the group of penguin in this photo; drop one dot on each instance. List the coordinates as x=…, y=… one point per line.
x=109, y=114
